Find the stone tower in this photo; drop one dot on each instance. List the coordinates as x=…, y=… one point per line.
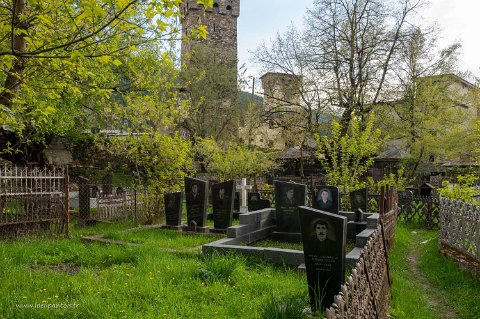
x=221, y=23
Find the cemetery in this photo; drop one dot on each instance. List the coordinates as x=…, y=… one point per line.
x=145, y=173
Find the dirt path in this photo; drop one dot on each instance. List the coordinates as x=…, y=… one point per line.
x=432, y=295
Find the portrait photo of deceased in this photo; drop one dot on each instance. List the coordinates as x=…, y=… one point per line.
x=289, y=196
x=324, y=237
x=359, y=199
x=326, y=198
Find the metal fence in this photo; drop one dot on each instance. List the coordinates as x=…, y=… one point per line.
x=109, y=203
x=32, y=200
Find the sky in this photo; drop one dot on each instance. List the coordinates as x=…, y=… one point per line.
x=261, y=20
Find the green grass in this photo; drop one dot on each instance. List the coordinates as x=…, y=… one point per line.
x=142, y=281
x=462, y=289
x=447, y=284
x=162, y=238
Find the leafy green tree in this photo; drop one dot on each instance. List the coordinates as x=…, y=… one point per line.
x=59, y=61
x=346, y=157
x=464, y=190
x=235, y=160
x=210, y=86
x=434, y=116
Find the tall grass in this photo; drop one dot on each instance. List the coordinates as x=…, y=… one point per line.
x=143, y=281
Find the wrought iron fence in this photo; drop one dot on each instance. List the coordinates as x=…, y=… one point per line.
x=32, y=200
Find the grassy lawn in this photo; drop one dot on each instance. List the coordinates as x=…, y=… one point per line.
x=90, y=280
x=425, y=283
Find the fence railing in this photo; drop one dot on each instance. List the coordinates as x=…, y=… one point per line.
x=32, y=199
x=424, y=210
x=366, y=293
x=460, y=227
x=116, y=204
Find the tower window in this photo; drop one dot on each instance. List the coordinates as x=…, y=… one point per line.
x=229, y=7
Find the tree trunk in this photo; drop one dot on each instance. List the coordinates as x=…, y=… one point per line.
x=19, y=46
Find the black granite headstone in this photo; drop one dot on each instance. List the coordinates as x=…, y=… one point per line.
x=173, y=208
x=359, y=199
x=107, y=181
x=288, y=197
x=236, y=202
x=196, y=193
x=256, y=203
x=327, y=199
x=222, y=203
x=324, y=238
x=83, y=199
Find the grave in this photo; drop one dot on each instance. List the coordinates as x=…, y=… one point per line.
x=196, y=193
x=243, y=187
x=288, y=197
x=327, y=199
x=255, y=202
x=324, y=237
x=359, y=199
x=173, y=209
x=107, y=187
x=222, y=203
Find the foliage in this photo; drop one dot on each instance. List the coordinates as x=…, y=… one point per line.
x=463, y=190
x=346, y=158
x=63, y=61
x=234, y=160
x=210, y=86
x=433, y=116
x=399, y=181
x=159, y=281
x=284, y=307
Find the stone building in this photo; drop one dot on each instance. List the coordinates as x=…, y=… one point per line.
x=221, y=24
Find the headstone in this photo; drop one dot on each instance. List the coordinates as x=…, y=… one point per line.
x=196, y=193
x=288, y=197
x=222, y=203
x=324, y=238
x=84, y=199
x=236, y=202
x=327, y=199
x=358, y=215
x=359, y=199
x=405, y=194
x=107, y=181
x=173, y=208
x=256, y=203
x=243, y=187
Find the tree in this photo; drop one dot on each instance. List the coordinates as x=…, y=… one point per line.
x=59, y=59
x=210, y=87
x=345, y=55
x=235, y=160
x=435, y=113
x=346, y=157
